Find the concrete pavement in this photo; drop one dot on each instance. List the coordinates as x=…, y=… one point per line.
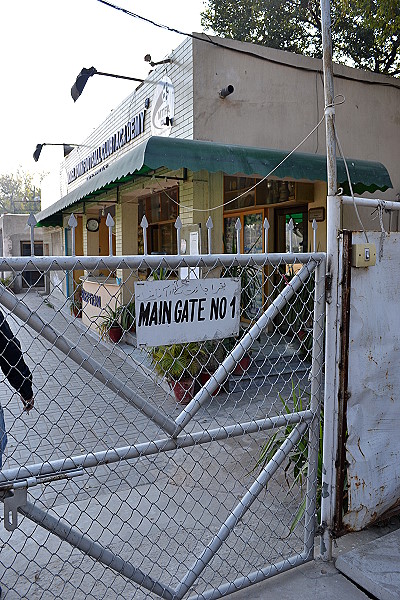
x=157, y=512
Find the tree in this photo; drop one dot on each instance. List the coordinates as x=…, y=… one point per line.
x=18, y=193
x=365, y=33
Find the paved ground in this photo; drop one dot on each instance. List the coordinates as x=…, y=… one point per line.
x=375, y=566
x=157, y=512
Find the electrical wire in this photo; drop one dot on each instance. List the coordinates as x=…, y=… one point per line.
x=208, y=210
x=207, y=39
x=349, y=182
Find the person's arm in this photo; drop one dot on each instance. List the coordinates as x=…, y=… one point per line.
x=13, y=365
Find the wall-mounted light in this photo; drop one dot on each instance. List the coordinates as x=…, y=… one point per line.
x=67, y=149
x=226, y=91
x=84, y=75
x=166, y=61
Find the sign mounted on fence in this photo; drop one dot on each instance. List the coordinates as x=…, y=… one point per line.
x=188, y=310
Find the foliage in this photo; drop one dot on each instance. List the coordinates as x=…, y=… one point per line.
x=297, y=463
x=178, y=361
x=110, y=318
x=371, y=36
x=127, y=316
x=160, y=274
x=18, y=193
x=6, y=281
x=365, y=33
x=215, y=352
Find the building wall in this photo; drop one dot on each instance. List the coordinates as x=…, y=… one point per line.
x=276, y=104
x=277, y=101
x=180, y=71
x=14, y=231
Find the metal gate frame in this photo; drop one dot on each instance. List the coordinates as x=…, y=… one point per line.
x=14, y=483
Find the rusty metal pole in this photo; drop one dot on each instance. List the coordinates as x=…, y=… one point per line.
x=332, y=298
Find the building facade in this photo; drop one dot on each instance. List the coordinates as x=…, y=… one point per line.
x=205, y=135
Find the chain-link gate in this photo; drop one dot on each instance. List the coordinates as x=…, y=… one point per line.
x=117, y=486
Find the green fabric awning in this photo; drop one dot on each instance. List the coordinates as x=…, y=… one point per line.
x=175, y=153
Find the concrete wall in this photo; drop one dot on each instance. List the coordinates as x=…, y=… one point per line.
x=373, y=408
x=276, y=104
x=14, y=231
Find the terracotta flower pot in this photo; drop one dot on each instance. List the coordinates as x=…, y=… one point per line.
x=77, y=312
x=115, y=333
x=204, y=377
x=183, y=390
x=242, y=365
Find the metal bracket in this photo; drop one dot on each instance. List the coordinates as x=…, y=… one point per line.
x=12, y=502
x=328, y=288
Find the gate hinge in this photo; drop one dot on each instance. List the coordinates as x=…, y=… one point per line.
x=13, y=500
x=328, y=288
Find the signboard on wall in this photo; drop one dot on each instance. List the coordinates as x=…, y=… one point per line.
x=163, y=108
x=188, y=310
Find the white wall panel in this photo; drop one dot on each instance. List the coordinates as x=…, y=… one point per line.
x=373, y=415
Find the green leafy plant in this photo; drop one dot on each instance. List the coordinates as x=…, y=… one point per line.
x=6, y=281
x=177, y=361
x=160, y=274
x=76, y=303
x=127, y=316
x=110, y=318
x=296, y=469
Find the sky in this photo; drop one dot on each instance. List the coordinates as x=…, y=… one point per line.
x=44, y=44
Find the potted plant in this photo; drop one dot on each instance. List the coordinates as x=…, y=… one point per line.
x=244, y=363
x=179, y=364
x=213, y=354
x=110, y=323
x=127, y=316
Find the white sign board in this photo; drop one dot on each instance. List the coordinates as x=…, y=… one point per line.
x=163, y=108
x=188, y=310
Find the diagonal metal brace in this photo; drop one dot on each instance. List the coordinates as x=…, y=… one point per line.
x=87, y=363
x=88, y=546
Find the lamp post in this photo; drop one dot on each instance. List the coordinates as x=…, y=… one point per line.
x=67, y=149
x=84, y=75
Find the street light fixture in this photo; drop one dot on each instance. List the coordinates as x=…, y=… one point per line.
x=84, y=75
x=67, y=149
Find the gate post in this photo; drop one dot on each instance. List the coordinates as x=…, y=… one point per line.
x=332, y=308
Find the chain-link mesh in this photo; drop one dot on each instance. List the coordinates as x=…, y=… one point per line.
x=116, y=463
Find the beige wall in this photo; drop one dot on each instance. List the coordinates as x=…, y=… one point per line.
x=275, y=105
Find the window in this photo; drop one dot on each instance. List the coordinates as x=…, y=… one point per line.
x=32, y=278
x=161, y=211
x=239, y=195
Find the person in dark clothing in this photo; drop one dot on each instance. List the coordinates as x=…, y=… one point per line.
x=17, y=372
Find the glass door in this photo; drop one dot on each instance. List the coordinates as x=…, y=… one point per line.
x=300, y=231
